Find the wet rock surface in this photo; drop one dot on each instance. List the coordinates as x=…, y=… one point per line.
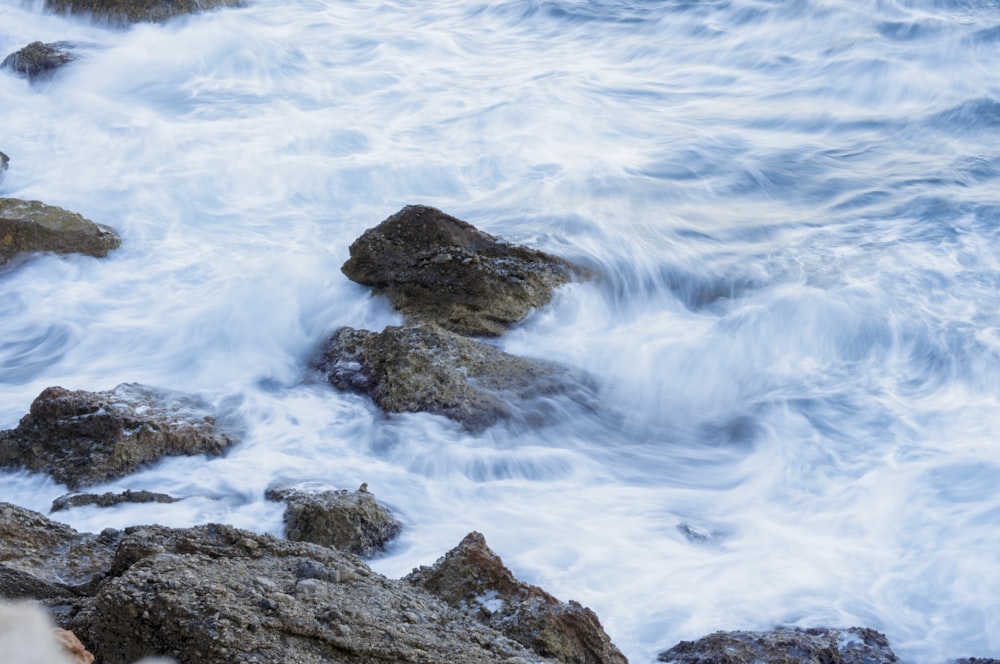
x=32, y=226
x=135, y=11
x=351, y=521
x=785, y=645
x=82, y=438
x=109, y=499
x=435, y=268
x=473, y=579
x=39, y=60
x=428, y=369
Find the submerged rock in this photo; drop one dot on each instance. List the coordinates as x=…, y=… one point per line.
x=428, y=369
x=785, y=645
x=83, y=438
x=135, y=11
x=435, y=268
x=473, y=579
x=38, y=60
x=351, y=521
x=27, y=226
x=109, y=499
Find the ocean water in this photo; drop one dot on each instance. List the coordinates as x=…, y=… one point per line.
x=791, y=209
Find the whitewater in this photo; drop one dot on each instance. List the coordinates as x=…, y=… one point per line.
x=792, y=215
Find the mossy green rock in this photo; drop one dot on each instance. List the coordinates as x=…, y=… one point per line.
x=135, y=11
x=435, y=268
x=429, y=369
x=29, y=226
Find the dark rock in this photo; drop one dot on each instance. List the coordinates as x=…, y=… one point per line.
x=438, y=269
x=785, y=645
x=109, y=499
x=33, y=226
x=135, y=11
x=428, y=369
x=83, y=438
x=473, y=579
x=38, y=60
x=41, y=559
x=218, y=595
x=351, y=521
x=976, y=660
x=4, y=162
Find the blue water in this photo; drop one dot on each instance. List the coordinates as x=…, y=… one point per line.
x=792, y=210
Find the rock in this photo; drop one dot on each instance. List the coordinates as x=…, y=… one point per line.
x=37, y=60
x=135, y=11
x=351, y=521
x=428, y=369
x=473, y=579
x=33, y=226
x=785, y=645
x=83, y=438
x=219, y=595
x=4, y=162
x=72, y=646
x=435, y=268
x=50, y=562
x=109, y=499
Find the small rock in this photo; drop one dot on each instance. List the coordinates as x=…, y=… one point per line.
x=135, y=11
x=83, y=438
x=109, y=499
x=351, y=521
x=37, y=60
x=435, y=268
x=782, y=645
x=32, y=226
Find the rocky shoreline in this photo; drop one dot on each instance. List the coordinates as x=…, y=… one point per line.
x=216, y=594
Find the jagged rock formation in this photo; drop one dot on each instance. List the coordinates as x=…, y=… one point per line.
x=473, y=579
x=428, y=369
x=38, y=60
x=785, y=645
x=83, y=438
x=438, y=269
x=135, y=11
x=27, y=226
x=351, y=521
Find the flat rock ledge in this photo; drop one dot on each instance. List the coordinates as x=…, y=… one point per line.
x=39, y=60
x=83, y=438
x=122, y=12
x=109, y=499
x=215, y=594
x=351, y=521
x=435, y=268
x=426, y=368
x=33, y=226
x=473, y=579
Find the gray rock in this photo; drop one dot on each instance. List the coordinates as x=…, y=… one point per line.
x=109, y=499
x=38, y=60
x=785, y=645
x=4, y=163
x=218, y=595
x=135, y=11
x=351, y=521
x=429, y=369
x=473, y=579
x=438, y=269
x=28, y=226
x=83, y=438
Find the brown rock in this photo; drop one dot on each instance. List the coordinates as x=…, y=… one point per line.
x=77, y=652
x=27, y=226
x=472, y=578
x=109, y=499
x=438, y=269
x=135, y=11
x=83, y=438
x=785, y=645
x=351, y=521
x=428, y=369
